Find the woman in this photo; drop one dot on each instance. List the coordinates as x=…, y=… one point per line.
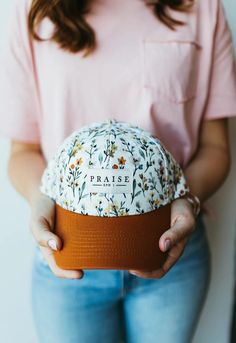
x=165, y=65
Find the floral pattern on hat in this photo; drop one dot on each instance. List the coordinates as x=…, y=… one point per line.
x=113, y=146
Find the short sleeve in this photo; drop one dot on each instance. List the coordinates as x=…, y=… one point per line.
x=222, y=92
x=19, y=109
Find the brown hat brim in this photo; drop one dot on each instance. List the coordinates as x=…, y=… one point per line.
x=124, y=242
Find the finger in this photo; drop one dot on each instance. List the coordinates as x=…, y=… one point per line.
x=173, y=255
x=158, y=273
x=41, y=231
x=57, y=271
x=182, y=227
x=142, y=274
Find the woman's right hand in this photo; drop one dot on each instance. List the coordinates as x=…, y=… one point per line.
x=41, y=226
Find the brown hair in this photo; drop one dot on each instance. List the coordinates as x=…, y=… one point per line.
x=74, y=34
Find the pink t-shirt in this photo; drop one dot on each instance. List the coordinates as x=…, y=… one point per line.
x=165, y=81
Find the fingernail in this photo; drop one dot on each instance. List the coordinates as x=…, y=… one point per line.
x=53, y=244
x=133, y=273
x=167, y=244
x=78, y=276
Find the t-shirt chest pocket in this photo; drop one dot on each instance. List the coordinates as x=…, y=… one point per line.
x=170, y=68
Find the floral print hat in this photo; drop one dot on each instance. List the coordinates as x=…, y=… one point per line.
x=113, y=184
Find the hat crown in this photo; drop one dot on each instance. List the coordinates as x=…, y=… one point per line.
x=113, y=169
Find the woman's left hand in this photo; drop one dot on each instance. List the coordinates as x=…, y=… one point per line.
x=174, y=239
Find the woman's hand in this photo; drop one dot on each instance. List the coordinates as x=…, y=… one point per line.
x=174, y=239
x=41, y=224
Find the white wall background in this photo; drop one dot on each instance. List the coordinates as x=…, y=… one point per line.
x=16, y=247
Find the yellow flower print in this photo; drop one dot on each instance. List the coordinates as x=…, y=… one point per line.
x=111, y=208
x=76, y=148
x=114, y=207
x=157, y=202
x=121, y=160
x=113, y=149
x=121, y=213
x=79, y=161
x=67, y=202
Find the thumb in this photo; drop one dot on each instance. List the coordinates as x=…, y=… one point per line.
x=181, y=229
x=43, y=235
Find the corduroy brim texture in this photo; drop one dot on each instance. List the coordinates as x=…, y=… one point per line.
x=125, y=242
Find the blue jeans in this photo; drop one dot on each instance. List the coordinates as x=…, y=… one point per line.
x=111, y=306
